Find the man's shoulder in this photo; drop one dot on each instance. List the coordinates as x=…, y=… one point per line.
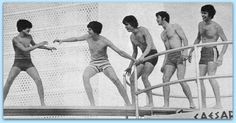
x=176, y=26
x=216, y=24
x=143, y=29
x=104, y=39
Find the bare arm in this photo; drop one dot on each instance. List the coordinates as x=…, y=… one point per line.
x=73, y=39
x=149, y=42
x=120, y=52
x=42, y=47
x=197, y=40
x=183, y=37
x=167, y=46
x=223, y=38
x=27, y=49
x=134, y=55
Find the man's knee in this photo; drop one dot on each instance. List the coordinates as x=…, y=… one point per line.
x=166, y=78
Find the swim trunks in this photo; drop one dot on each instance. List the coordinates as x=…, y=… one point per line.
x=208, y=54
x=154, y=60
x=175, y=58
x=23, y=64
x=100, y=65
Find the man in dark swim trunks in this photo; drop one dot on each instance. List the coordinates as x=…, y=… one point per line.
x=23, y=43
x=173, y=37
x=209, y=31
x=141, y=38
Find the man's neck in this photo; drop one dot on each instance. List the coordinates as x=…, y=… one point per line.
x=95, y=37
x=22, y=35
x=165, y=25
x=135, y=31
x=207, y=22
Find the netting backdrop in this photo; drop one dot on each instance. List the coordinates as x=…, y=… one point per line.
x=61, y=70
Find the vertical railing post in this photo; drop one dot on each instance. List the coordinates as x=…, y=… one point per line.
x=124, y=83
x=197, y=77
x=136, y=90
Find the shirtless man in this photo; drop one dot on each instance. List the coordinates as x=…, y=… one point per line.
x=209, y=31
x=99, y=60
x=173, y=37
x=23, y=43
x=141, y=38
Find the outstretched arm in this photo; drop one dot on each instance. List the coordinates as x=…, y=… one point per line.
x=135, y=52
x=27, y=49
x=120, y=52
x=42, y=47
x=72, y=39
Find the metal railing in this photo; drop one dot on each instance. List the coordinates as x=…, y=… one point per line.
x=197, y=77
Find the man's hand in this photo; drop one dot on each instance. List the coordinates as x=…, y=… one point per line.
x=43, y=43
x=57, y=40
x=128, y=70
x=139, y=61
x=219, y=61
x=52, y=48
x=190, y=57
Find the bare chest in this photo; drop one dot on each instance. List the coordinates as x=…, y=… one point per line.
x=97, y=46
x=139, y=39
x=25, y=41
x=208, y=31
x=168, y=34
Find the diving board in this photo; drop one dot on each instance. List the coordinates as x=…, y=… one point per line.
x=88, y=111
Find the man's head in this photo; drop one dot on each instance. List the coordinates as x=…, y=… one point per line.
x=95, y=26
x=131, y=20
x=162, y=16
x=209, y=9
x=23, y=25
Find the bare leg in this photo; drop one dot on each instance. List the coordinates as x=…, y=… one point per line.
x=14, y=72
x=203, y=71
x=168, y=73
x=214, y=84
x=148, y=68
x=139, y=73
x=33, y=73
x=88, y=73
x=180, y=75
x=110, y=73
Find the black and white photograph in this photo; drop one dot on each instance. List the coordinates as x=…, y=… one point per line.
x=117, y=60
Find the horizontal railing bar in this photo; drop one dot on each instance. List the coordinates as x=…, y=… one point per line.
x=179, y=81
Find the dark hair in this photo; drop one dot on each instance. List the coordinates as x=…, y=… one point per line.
x=95, y=26
x=23, y=24
x=130, y=20
x=210, y=9
x=163, y=15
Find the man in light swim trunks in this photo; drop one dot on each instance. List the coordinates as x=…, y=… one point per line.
x=23, y=43
x=98, y=45
x=173, y=37
x=209, y=31
x=141, y=38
